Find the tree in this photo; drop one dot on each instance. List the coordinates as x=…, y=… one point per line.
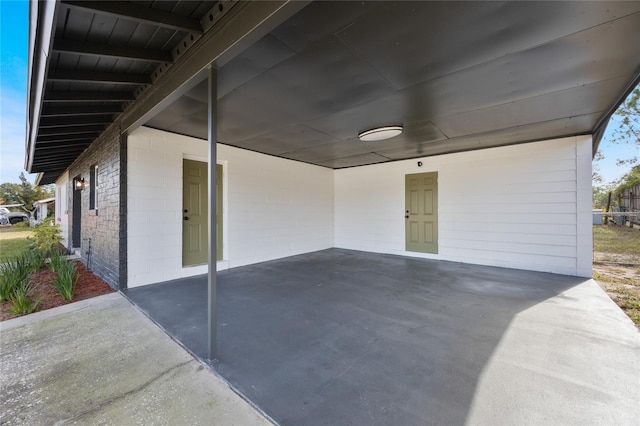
x=627, y=116
x=627, y=132
x=24, y=193
x=629, y=180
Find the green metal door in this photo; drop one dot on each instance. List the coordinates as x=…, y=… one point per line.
x=195, y=210
x=421, y=212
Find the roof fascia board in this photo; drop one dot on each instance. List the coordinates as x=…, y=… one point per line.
x=42, y=16
x=245, y=24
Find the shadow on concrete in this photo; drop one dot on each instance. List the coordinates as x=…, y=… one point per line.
x=347, y=337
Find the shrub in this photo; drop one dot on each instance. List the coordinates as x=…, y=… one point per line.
x=46, y=236
x=22, y=300
x=66, y=279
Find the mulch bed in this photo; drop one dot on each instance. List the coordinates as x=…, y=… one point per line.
x=88, y=286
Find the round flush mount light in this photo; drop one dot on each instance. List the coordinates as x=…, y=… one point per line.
x=380, y=133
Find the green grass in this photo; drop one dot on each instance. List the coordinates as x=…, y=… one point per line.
x=616, y=239
x=11, y=249
x=14, y=242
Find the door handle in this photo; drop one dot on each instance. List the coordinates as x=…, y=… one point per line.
x=186, y=218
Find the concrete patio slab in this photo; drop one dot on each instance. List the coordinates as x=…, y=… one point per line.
x=346, y=337
x=101, y=361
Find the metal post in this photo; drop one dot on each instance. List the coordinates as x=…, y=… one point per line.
x=212, y=98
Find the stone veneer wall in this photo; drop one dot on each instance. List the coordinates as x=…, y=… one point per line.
x=102, y=226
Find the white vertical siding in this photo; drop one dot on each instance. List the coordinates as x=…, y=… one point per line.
x=62, y=206
x=272, y=207
x=524, y=206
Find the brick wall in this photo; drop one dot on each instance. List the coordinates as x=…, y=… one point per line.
x=100, y=227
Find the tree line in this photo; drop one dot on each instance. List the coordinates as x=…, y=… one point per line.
x=627, y=133
x=24, y=193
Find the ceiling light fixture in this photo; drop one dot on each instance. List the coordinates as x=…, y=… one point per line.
x=380, y=133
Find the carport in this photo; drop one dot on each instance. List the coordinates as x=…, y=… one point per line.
x=311, y=337
x=347, y=337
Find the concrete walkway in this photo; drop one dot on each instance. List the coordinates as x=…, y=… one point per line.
x=101, y=361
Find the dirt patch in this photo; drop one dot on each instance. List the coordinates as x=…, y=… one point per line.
x=619, y=276
x=88, y=286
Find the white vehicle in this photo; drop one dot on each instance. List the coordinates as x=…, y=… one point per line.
x=7, y=216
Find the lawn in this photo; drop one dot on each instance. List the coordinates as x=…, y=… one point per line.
x=616, y=266
x=616, y=240
x=13, y=241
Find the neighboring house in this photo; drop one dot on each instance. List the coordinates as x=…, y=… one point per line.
x=501, y=108
x=629, y=198
x=42, y=208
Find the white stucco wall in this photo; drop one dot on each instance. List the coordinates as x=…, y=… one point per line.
x=272, y=207
x=525, y=206
x=62, y=206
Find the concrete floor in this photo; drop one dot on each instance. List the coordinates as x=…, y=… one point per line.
x=101, y=362
x=345, y=337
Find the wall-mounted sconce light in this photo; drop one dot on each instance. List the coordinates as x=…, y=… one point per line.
x=78, y=184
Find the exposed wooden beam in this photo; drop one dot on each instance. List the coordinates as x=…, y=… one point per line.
x=61, y=158
x=62, y=111
x=139, y=13
x=66, y=158
x=98, y=77
x=91, y=129
x=54, y=147
x=64, y=138
x=46, y=166
x=106, y=50
x=73, y=121
x=88, y=97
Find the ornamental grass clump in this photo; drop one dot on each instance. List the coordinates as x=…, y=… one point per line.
x=56, y=259
x=13, y=273
x=66, y=279
x=36, y=259
x=23, y=300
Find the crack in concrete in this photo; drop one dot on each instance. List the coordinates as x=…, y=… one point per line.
x=117, y=398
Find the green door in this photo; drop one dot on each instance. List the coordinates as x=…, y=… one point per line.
x=421, y=212
x=195, y=210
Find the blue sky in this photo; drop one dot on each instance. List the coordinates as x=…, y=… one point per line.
x=13, y=87
x=14, y=17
